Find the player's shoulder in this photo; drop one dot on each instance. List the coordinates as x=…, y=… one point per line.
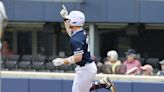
x=79, y=35
x=1, y=3
x=1, y=7
x=76, y=41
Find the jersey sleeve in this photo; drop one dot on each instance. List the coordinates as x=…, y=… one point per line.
x=77, y=47
x=2, y=10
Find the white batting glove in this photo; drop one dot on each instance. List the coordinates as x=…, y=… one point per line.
x=64, y=12
x=58, y=61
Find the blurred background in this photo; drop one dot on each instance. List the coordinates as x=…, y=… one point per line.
x=133, y=29
x=35, y=28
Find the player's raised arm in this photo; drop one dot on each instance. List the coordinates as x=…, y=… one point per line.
x=67, y=27
x=64, y=14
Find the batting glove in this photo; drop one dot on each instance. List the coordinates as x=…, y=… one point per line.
x=58, y=61
x=64, y=12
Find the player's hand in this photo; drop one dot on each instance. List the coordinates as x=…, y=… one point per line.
x=58, y=61
x=64, y=12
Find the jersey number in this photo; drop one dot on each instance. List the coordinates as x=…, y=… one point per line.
x=87, y=42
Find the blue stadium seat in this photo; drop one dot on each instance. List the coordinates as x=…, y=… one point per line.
x=3, y=60
x=11, y=62
x=154, y=62
x=49, y=65
x=38, y=63
x=25, y=62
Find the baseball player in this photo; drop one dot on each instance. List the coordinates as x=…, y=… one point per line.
x=86, y=68
x=3, y=19
x=3, y=23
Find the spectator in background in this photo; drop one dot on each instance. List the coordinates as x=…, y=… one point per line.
x=41, y=51
x=6, y=51
x=132, y=63
x=110, y=63
x=147, y=70
x=130, y=51
x=112, y=60
x=161, y=73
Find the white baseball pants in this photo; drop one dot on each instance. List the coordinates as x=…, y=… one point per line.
x=84, y=77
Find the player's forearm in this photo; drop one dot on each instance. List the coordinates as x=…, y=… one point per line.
x=73, y=59
x=68, y=30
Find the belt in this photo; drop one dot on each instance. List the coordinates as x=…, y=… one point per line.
x=85, y=64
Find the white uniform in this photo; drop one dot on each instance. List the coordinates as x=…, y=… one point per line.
x=3, y=17
x=2, y=23
x=84, y=77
